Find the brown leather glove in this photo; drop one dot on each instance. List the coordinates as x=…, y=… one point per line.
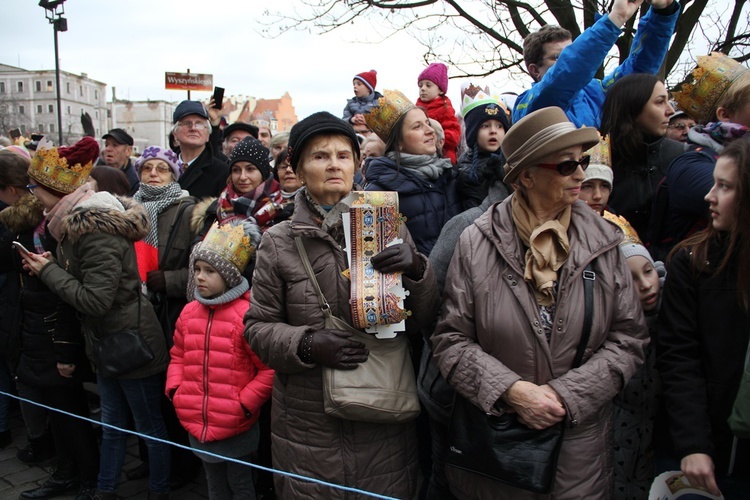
x=156, y=281
x=332, y=348
x=400, y=258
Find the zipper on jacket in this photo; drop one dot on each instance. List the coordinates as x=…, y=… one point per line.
x=204, y=408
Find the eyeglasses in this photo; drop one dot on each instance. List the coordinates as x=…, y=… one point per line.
x=31, y=187
x=284, y=166
x=680, y=126
x=195, y=125
x=567, y=167
x=162, y=169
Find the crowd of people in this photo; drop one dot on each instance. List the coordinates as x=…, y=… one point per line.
x=573, y=267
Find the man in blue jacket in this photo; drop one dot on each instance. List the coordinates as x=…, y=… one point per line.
x=565, y=78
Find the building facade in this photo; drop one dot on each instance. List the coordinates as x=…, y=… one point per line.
x=28, y=101
x=148, y=122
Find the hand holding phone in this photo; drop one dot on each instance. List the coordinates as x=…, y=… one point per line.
x=218, y=97
x=21, y=249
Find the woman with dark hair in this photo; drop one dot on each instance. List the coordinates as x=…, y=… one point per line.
x=426, y=184
x=51, y=363
x=290, y=185
x=636, y=115
x=111, y=180
x=703, y=333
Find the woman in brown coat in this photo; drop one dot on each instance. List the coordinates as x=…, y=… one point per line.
x=513, y=310
x=285, y=327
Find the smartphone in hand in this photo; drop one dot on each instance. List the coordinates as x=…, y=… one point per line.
x=218, y=97
x=21, y=249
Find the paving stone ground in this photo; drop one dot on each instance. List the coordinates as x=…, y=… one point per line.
x=16, y=476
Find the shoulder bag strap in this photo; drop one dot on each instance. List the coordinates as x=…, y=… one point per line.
x=324, y=306
x=589, y=276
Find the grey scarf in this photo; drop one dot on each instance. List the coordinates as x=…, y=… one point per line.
x=156, y=199
x=428, y=167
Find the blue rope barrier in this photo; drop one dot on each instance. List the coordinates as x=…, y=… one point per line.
x=229, y=459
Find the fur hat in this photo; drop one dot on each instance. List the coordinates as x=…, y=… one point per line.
x=321, y=122
x=437, y=73
x=540, y=134
x=62, y=170
x=252, y=150
x=369, y=78
x=157, y=153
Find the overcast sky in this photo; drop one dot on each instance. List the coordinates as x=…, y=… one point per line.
x=130, y=44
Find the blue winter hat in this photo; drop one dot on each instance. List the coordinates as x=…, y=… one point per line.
x=189, y=108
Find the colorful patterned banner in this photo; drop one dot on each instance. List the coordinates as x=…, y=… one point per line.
x=376, y=299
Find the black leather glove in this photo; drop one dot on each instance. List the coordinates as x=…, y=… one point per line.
x=400, y=258
x=333, y=348
x=156, y=281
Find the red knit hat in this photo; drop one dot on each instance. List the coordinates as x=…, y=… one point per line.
x=369, y=78
x=437, y=73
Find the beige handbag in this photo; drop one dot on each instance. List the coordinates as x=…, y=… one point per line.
x=383, y=389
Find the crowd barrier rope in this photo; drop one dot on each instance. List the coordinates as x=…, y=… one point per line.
x=229, y=459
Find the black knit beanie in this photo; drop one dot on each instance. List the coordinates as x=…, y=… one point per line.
x=252, y=150
x=318, y=123
x=477, y=116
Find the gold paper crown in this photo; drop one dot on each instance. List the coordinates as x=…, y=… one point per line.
x=629, y=234
x=710, y=80
x=391, y=107
x=229, y=242
x=51, y=170
x=601, y=153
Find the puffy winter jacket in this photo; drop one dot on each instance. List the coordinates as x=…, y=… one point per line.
x=360, y=105
x=426, y=205
x=441, y=109
x=490, y=336
x=216, y=382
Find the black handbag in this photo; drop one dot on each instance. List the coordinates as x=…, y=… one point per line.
x=503, y=449
x=119, y=353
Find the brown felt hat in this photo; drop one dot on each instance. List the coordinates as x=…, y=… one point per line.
x=538, y=135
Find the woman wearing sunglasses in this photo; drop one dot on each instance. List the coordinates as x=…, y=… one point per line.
x=513, y=310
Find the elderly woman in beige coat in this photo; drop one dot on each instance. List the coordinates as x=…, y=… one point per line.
x=285, y=327
x=513, y=310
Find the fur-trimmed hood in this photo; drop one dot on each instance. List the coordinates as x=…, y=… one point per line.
x=201, y=214
x=100, y=215
x=24, y=215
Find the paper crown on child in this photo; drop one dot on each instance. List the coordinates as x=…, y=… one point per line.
x=600, y=162
x=63, y=169
x=709, y=81
x=630, y=236
x=391, y=107
x=473, y=96
x=230, y=242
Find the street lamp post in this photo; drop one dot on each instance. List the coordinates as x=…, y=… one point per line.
x=53, y=11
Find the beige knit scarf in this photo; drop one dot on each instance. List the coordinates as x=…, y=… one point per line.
x=548, y=247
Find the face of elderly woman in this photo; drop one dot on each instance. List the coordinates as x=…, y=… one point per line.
x=327, y=168
x=417, y=135
x=156, y=173
x=548, y=191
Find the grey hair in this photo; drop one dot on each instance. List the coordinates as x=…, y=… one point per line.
x=439, y=132
x=279, y=138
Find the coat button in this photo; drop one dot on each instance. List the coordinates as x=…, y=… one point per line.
x=573, y=423
x=536, y=323
x=559, y=322
x=514, y=282
x=510, y=276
